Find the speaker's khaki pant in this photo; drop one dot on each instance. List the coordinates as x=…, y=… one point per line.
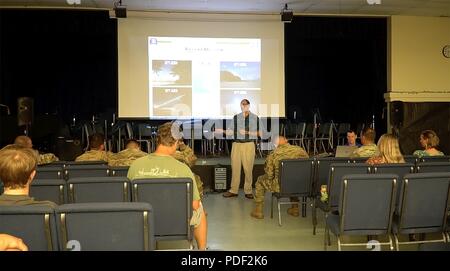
x=242, y=154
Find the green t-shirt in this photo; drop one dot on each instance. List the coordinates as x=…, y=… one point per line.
x=157, y=166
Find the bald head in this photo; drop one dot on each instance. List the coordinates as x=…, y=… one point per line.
x=23, y=141
x=279, y=140
x=132, y=144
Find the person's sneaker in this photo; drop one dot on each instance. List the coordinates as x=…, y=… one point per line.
x=229, y=195
x=249, y=196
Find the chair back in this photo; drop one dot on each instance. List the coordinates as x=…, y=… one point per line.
x=367, y=203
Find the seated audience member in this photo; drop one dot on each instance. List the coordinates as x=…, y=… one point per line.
x=429, y=141
x=17, y=170
x=162, y=164
x=44, y=158
x=389, y=151
x=186, y=155
x=351, y=139
x=368, y=148
x=96, y=150
x=127, y=156
x=269, y=181
x=11, y=243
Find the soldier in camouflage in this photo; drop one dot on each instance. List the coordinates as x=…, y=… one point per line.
x=127, y=156
x=269, y=181
x=186, y=155
x=369, y=148
x=44, y=158
x=96, y=150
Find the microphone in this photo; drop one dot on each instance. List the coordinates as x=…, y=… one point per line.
x=7, y=108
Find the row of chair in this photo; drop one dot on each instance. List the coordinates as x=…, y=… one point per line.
x=369, y=205
x=426, y=159
x=304, y=177
x=84, y=170
x=94, y=226
x=337, y=171
x=171, y=199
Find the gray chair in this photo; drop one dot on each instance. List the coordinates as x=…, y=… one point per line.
x=171, y=199
x=295, y=132
x=426, y=159
x=99, y=189
x=86, y=171
x=325, y=134
x=49, y=172
x=398, y=169
x=59, y=163
x=309, y=137
x=85, y=163
x=323, y=169
x=430, y=167
x=336, y=172
x=119, y=171
x=366, y=207
x=434, y=247
x=49, y=189
x=106, y=226
x=34, y=224
x=411, y=159
x=358, y=160
x=295, y=179
x=423, y=207
x=146, y=135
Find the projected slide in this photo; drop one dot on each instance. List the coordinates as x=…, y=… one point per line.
x=171, y=72
x=202, y=77
x=240, y=75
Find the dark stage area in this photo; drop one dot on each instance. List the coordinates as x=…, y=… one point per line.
x=337, y=66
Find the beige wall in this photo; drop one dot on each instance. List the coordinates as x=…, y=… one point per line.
x=418, y=70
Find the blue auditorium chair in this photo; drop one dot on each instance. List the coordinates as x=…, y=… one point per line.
x=116, y=226
x=366, y=207
x=34, y=224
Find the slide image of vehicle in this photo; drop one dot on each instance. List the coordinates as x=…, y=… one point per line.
x=240, y=75
x=172, y=101
x=171, y=73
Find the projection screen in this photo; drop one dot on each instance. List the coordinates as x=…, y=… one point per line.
x=183, y=66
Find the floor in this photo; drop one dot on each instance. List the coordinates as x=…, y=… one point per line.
x=230, y=227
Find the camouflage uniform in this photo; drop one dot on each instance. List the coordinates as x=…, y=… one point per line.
x=95, y=155
x=269, y=181
x=126, y=157
x=369, y=150
x=47, y=158
x=186, y=155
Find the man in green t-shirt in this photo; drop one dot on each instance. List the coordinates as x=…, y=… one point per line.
x=161, y=164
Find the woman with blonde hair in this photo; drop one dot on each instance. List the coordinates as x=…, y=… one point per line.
x=429, y=141
x=389, y=151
